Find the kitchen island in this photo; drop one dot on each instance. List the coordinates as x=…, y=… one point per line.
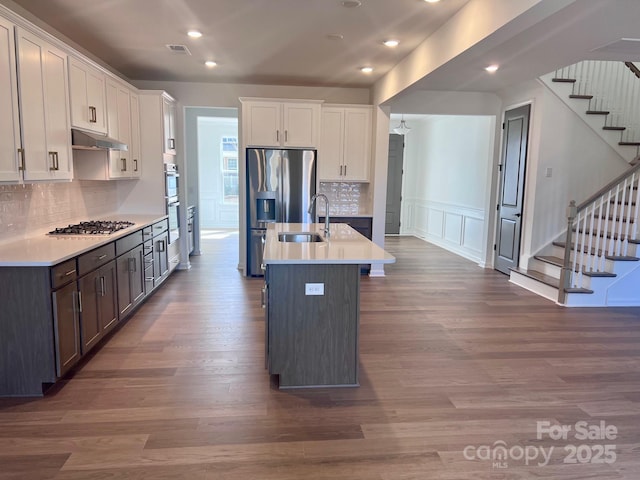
x=312, y=302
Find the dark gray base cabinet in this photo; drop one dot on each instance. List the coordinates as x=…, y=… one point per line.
x=98, y=303
x=312, y=340
x=51, y=317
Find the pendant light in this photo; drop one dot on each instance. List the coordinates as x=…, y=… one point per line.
x=403, y=128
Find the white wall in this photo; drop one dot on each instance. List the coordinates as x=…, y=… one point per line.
x=446, y=165
x=580, y=162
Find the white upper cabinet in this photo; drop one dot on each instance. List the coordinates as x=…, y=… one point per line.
x=44, y=109
x=134, y=145
x=345, y=146
x=289, y=124
x=88, y=100
x=169, y=114
x=9, y=113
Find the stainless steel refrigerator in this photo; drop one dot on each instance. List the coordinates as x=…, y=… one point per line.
x=280, y=184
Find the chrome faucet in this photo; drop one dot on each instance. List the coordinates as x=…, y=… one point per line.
x=326, y=216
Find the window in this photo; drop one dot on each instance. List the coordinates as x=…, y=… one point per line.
x=229, y=157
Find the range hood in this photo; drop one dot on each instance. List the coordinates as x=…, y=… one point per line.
x=91, y=141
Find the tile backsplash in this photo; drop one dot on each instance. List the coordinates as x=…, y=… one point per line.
x=345, y=198
x=29, y=208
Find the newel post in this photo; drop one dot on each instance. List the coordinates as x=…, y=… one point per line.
x=565, y=275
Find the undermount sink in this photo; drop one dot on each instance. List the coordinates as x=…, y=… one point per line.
x=300, y=237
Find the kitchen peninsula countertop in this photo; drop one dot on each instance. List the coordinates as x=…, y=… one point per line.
x=344, y=246
x=42, y=250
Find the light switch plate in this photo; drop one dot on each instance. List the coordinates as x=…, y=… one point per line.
x=314, y=288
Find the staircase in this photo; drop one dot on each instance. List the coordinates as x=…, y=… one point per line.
x=605, y=96
x=596, y=261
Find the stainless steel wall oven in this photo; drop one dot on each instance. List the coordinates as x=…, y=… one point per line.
x=173, y=204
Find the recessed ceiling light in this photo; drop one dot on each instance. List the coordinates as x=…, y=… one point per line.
x=194, y=33
x=210, y=63
x=432, y=1
x=351, y=3
x=492, y=68
x=335, y=36
x=366, y=69
x=391, y=43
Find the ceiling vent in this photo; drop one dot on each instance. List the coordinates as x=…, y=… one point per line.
x=179, y=49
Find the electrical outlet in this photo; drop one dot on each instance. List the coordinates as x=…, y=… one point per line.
x=314, y=288
x=548, y=172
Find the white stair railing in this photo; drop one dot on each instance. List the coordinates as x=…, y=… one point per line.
x=615, y=89
x=600, y=229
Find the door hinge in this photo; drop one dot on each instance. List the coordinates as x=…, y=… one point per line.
x=503, y=125
x=498, y=208
x=495, y=247
x=499, y=167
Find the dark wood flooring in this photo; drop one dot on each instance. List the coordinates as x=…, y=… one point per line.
x=453, y=359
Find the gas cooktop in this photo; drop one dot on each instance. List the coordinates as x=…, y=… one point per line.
x=93, y=227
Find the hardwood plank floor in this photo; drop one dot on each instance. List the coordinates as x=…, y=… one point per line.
x=452, y=357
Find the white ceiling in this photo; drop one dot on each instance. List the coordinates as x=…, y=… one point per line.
x=253, y=41
x=284, y=42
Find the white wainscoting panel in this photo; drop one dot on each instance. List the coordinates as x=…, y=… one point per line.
x=453, y=227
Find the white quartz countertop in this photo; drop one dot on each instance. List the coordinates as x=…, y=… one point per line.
x=42, y=250
x=344, y=246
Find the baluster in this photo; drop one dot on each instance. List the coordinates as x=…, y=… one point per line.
x=583, y=250
x=625, y=242
x=634, y=230
x=597, y=207
x=575, y=252
x=608, y=215
x=618, y=237
x=614, y=222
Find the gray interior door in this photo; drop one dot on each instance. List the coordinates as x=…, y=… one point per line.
x=394, y=184
x=514, y=155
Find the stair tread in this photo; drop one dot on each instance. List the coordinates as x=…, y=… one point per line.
x=597, y=112
x=599, y=252
x=564, y=80
x=578, y=290
x=620, y=129
x=558, y=262
x=581, y=97
x=539, y=276
x=629, y=144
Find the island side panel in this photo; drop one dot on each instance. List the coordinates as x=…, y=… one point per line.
x=313, y=339
x=27, y=358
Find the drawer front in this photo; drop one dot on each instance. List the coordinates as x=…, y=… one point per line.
x=147, y=232
x=160, y=227
x=129, y=242
x=147, y=248
x=63, y=273
x=96, y=258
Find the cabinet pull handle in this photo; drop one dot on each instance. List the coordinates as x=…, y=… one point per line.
x=277, y=135
x=70, y=272
x=93, y=115
x=123, y=168
x=135, y=164
x=149, y=279
x=340, y=170
x=57, y=162
x=264, y=297
x=345, y=170
x=103, y=290
x=79, y=302
x=172, y=144
x=101, y=257
x=286, y=135
x=53, y=161
x=23, y=166
x=161, y=245
x=132, y=265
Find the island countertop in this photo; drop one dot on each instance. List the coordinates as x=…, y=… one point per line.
x=41, y=249
x=344, y=246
